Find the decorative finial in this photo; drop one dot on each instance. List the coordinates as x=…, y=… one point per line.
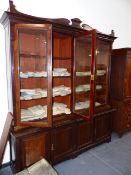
x=76, y=22
x=86, y=27
x=112, y=33
x=12, y=7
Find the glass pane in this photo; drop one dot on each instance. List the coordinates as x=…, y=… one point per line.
x=33, y=74
x=83, y=58
x=102, y=65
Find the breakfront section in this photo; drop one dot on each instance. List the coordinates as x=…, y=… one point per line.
x=121, y=89
x=92, y=62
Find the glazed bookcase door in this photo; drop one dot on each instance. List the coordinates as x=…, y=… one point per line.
x=102, y=73
x=33, y=77
x=84, y=59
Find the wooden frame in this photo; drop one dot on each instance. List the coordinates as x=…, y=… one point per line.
x=5, y=136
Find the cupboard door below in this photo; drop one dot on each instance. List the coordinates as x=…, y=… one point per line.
x=102, y=128
x=34, y=147
x=63, y=143
x=84, y=138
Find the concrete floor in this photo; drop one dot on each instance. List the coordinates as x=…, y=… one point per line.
x=112, y=158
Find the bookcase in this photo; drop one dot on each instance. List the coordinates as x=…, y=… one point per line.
x=58, y=87
x=121, y=89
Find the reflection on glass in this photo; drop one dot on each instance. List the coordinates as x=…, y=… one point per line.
x=33, y=63
x=83, y=46
x=102, y=64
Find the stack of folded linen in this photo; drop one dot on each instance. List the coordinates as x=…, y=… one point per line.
x=88, y=73
x=35, y=112
x=40, y=74
x=60, y=108
x=101, y=72
x=61, y=90
x=84, y=105
x=33, y=74
x=28, y=94
x=86, y=87
x=80, y=74
x=98, y=87
x=60, y=72
x=40, y=112
x=26, y=115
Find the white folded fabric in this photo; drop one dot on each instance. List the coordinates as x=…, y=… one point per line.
x=61, y=90
x=56, y=72
x=84, y=105
x=86, y=87
x=28, y=94
x=40, y=112
x=33, y=74
x=60, y=72
x=79, y=74
x=88, y=73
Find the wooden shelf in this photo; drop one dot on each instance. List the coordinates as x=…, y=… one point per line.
x=28, y=55
x=62, y=58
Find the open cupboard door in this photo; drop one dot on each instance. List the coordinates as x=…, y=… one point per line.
x=33, y=74
x=84, y=71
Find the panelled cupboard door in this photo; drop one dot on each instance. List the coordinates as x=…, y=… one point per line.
x=85, y=135
x=34, y=148
x=63, y=143
x=84, y=72
x=33, y=74
x=102, y=128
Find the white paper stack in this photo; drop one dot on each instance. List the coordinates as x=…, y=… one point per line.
x=80, y=74
x=56, y=72
x=84, y=105
x=86, y=87
x=59, y=108
x=33, y=74
x=61, y=90
x=35, y=112
x=40, y=74
x=60, y=72
x=101, y=72
x=28, y=94
x=40, y=112
x=81, y=88
x=88, y=73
